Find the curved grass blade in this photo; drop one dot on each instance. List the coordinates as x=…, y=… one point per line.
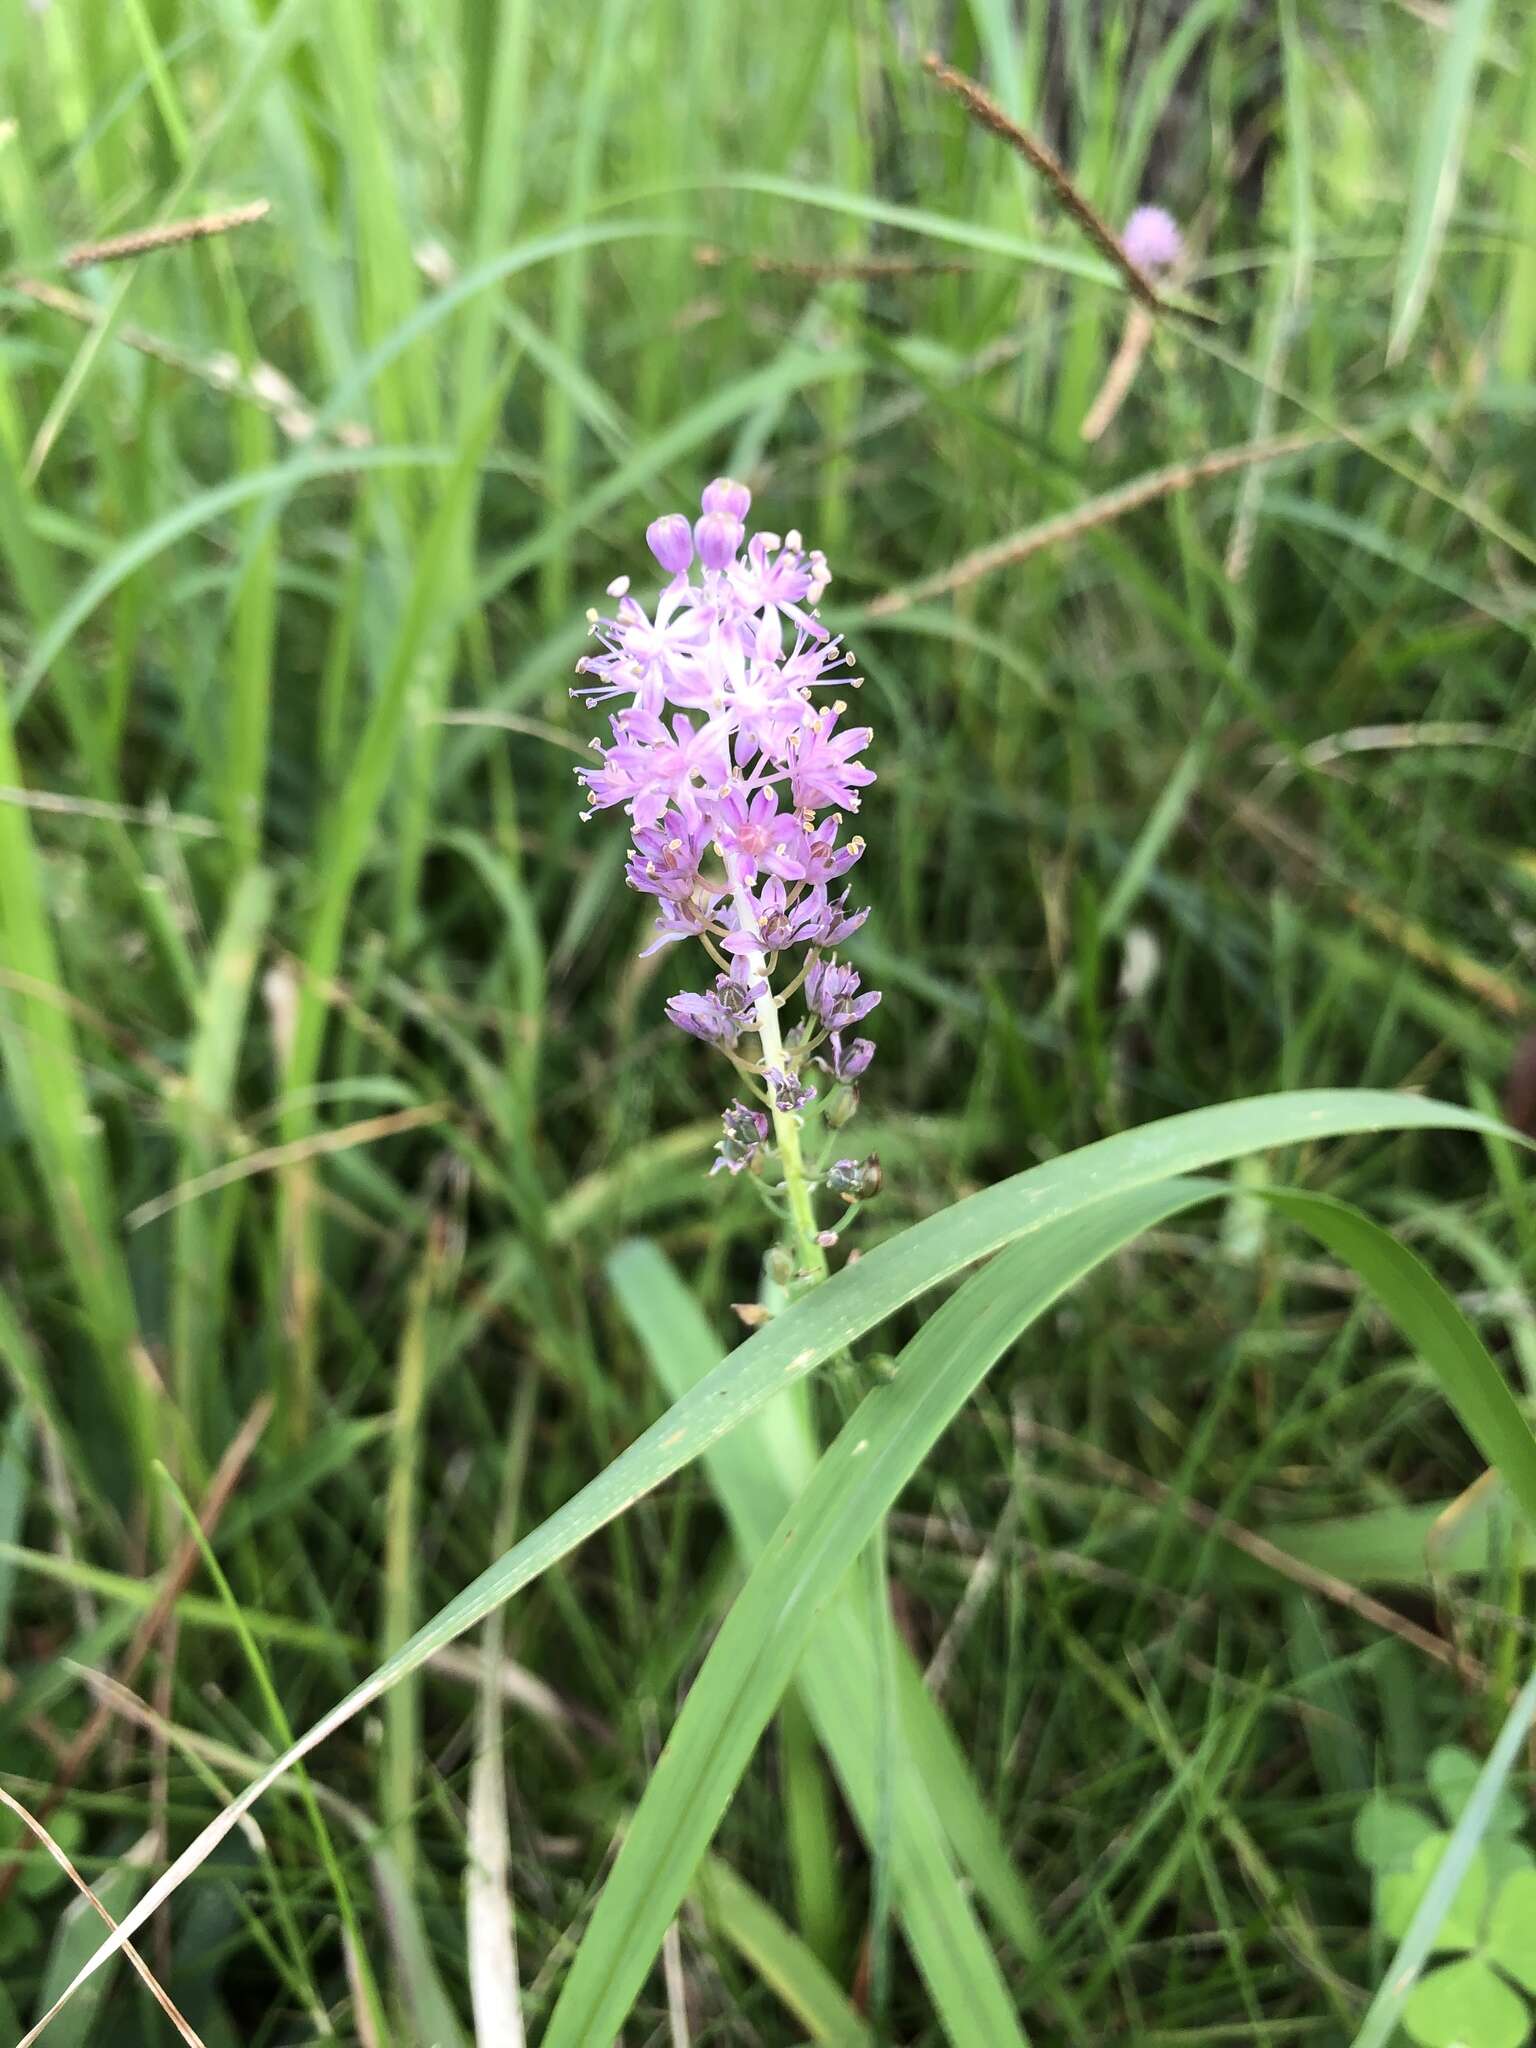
x=799, y=1574
x=817, y=1328
x=1431, y=1321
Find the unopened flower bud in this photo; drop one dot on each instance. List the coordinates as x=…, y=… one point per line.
x=725, y=495
x=718, y=537
x=854, y=1180
x=842, y=1107
x=670, y=540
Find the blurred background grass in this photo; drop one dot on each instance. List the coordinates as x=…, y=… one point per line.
x=332, y=1077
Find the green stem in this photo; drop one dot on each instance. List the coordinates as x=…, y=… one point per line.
x=875, y=1562
x=786, y=1122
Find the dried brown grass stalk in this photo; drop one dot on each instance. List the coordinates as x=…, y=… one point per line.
x=1100, y=511
x=1338, y=1591
x=275, y=1157
x=981, y=107
x=144, y=241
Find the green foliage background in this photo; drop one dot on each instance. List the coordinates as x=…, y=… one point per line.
x=332, y=1078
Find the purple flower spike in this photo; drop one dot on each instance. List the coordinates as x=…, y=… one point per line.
x=670, y=540
x=1152, y=239
x=735, y=775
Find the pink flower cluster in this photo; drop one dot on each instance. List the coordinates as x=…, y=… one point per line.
x=736, y=777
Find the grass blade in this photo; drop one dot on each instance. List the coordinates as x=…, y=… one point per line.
x=780, y=1958
x=757, y=1650
x=1431, y=1321
x=1437, y=168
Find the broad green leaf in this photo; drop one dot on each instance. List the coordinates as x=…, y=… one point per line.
x=1466, y=2005
x=1421, y=1937
x=1511, y=1938
x=1452, y=1774
x=1388, y=1831
x=820, y=1326
x=760, y=1644
x=1402, y=1892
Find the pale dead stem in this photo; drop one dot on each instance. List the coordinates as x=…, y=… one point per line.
x=275, y=1158
x=261, y=384
x=1498, y=992
x=856, y=269
x=61, y=804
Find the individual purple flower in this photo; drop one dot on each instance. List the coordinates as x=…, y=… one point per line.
x=752, y=828
x=744, y=1132
x=788, y=1090
x=1152, y=239
x=739, y=994
x=664, y=860
x=832, y=993
x=688, y=920
x=847, y=1061
x=822, y=769
x=815, y=857
x=780, y=922
x=704, y=1017
x=777, y=576
x=835, y=922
